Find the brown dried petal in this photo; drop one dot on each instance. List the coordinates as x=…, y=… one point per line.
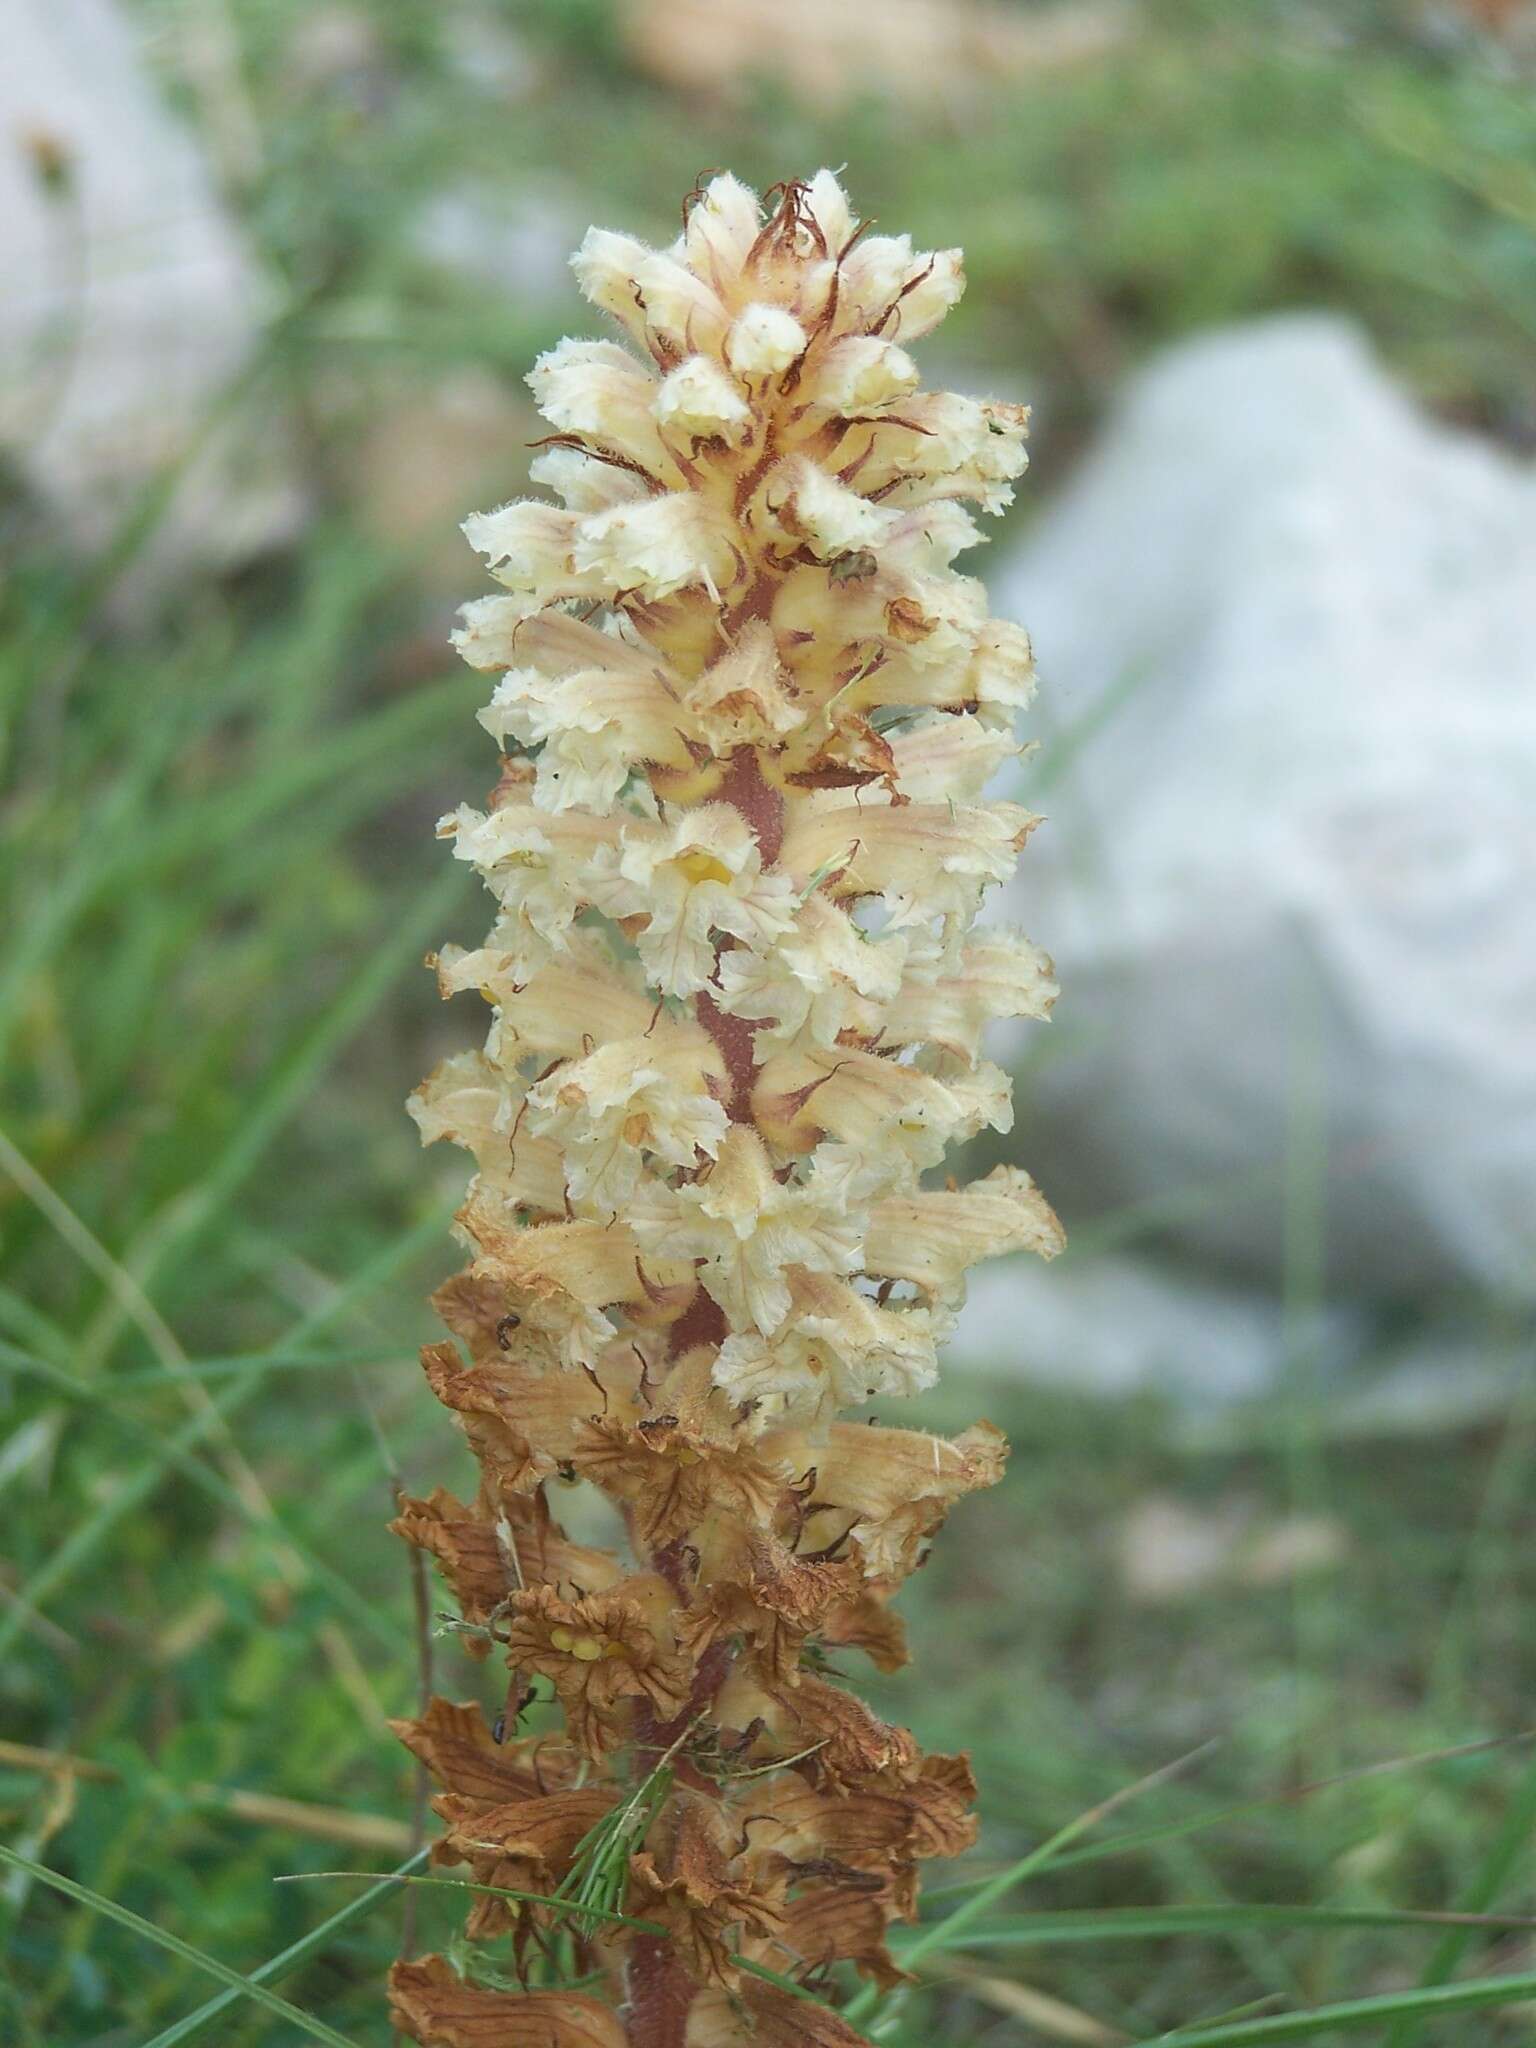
x=852, y=1742
x=892, y=1488
x=772, y=1599
x=458, y=1748
x=508, y=1461
x=845, y=1922
x=432, y=2004
x=466, y=1549
x=867, y=1623
x=673, y=1475
x=584, y=1264
x=543, y=1829
x=599, y=1652
x=912, y=1810
x=759, y=2016
x=523, y=1424
x=683, y=1880
x=522, y=1845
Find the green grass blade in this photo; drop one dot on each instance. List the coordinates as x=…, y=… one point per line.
x=1507, y=1847
x=293, y=1079
x=1353, y=2015
x=1147, y=1923
x=947, y=1930
x=1242, y=1809
x=289, y=1958
x=164, y=1455
x=495, y=1891
x=241, y=1987
x=86, y=1538
x=233, y=1365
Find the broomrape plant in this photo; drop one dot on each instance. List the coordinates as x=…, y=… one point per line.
x=737, y=846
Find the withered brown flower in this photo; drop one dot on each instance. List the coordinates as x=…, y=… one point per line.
x=432, y=2003
x=684, y=1879
x=600, y=1651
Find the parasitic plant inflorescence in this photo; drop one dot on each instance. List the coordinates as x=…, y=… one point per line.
x=737, y=994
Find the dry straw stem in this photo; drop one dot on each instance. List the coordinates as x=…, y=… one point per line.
x=263, y=1809
x=737, y=843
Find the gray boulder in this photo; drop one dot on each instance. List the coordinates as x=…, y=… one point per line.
x=1118, y=1325
x=1288, y=629
x=130, y=305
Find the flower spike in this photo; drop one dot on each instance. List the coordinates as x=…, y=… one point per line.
x=737, y=848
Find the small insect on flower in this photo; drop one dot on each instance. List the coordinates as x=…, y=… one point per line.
x=737, y=1004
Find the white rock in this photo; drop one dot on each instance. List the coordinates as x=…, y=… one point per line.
x=130, y=304
x=1289, y=627
x=1114, y=1324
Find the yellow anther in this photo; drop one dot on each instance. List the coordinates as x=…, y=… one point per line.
x=586, y=1649
x=562, y=1639
x=702, y=867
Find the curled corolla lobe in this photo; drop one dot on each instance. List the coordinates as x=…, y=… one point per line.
x=737, y=847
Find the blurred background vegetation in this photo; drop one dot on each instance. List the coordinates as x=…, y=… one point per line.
x=219, y=792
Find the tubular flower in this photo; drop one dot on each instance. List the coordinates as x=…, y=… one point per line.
x=737, y=845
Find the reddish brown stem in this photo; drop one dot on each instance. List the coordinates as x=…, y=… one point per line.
x=757, y=800
x=660, y=1993
x=660, y=1989
x=734, y=1036
x=744, y=788
x=702, y=1322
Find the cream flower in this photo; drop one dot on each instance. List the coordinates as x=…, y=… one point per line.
x=586, y=483
x=722, y=227
x=745, y=1226
x=653, y=548
x=890, y=1107
x=626, y=1100
x=835, y=1349
x=926, y=860
x=578, y=1000
x=698, y=399
x=488, y=635
x=931, y=1237
x=823, y=977
x=596, y=388
x=540, y=869
x=903, y=294
x=699, y=876
x=947, y=999
x=470, y=1100
x=763, y=341
x=594, y=728
x=943, y=758
x=807, y=505
x=657, y=298
x=527, y=546
x=862, y=371
x=746, y=697
x=951, y=447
